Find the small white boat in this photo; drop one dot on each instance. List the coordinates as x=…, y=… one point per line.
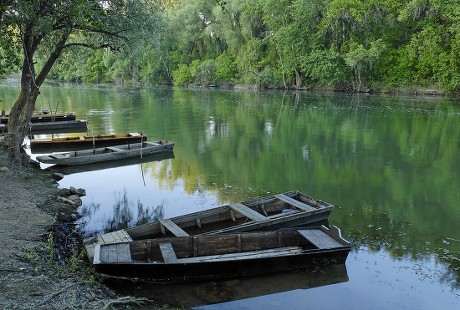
x=108, y=153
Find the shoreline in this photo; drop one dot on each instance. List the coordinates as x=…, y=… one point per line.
x=36, y=269
x=411, y=90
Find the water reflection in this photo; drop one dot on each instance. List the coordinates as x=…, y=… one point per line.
x=205, y=293
x=389, y=164
x=126, y=213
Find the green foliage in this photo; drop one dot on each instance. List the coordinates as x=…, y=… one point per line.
x=226, y=69
x=361, y=60
x=94, y=69
x=277, y=44
x=397, y=68
x=326, y=67
x=9, y=58
x=50, y=247
x=204, y=73
x=182, y=75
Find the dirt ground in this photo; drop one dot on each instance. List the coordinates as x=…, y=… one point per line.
x=33, y=273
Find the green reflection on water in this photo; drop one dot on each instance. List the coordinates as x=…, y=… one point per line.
x=390, y=165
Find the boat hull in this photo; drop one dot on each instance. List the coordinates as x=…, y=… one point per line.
x=41, y=118
x=184, y=272
x=214, y=257
x=83, y=142
x=59, y=126
x=272, y=212
x=108, y=153
x=54, y=127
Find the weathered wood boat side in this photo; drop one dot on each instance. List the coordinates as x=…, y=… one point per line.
x=54, y=127
x=76, y=126
x=108, y=153
x=286, y=209
x=67, y=170
x=41, y=118
x=210, y=257
x=81, y=142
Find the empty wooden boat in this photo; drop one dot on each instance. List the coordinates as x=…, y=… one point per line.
x=59, y=126
x=108, y=153
x=67, y=170
x=84, y=142
x=45, y=117
x=54, y=127
x=265, y=213
x=222, y=256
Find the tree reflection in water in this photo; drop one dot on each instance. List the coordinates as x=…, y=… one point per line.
x=123, y=214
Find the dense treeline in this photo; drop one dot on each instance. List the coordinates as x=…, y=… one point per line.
x=349, y=45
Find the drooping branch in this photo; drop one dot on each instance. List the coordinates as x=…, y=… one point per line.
x=115, y=34
x=82, y=44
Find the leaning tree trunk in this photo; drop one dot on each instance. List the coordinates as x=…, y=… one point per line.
x=19, y=117
x=21, y=112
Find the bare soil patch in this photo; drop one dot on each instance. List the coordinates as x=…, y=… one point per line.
x=40, y=266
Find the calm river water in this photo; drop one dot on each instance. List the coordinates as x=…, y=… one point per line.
x=390, y=165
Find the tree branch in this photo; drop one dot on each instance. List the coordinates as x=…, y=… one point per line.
x=53, y=56
x=81, y=44
x=116, y=34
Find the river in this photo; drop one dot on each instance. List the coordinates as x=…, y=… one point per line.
x=390, y=165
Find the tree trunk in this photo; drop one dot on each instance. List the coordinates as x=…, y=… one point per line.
x=20, y=115
x=298, y=79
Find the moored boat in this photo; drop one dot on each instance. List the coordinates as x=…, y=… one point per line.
x=286, y=209
x=59, y=126
x=67, y=170
x=108, y=153
x=45, y=117
x=81, y=142
x=54, y=127
x=222, y=256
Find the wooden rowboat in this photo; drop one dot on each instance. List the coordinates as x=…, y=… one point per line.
x=67, y=170
x=54, y=127
x=265, y=213
x=81, y=142
x=59, y=126
x=42, y=118
x=210, y=257
x=107, y=153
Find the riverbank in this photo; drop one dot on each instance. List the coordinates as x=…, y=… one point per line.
x=36, y=269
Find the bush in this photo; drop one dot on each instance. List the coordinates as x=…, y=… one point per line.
x=182, y=75
x=226, y=69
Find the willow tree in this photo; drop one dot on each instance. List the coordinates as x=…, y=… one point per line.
x=48, y=27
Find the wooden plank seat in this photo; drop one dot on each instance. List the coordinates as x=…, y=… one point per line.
x=248, y=212
x=296, y=203
x=114, y=149
x=319, y=238
x=115, y=237
x=169, y=256
x=59, y=156
x=291, y=250
x=113, y=253
x=172, y=227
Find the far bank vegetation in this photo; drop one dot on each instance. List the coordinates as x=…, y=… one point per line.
x=345, y=45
